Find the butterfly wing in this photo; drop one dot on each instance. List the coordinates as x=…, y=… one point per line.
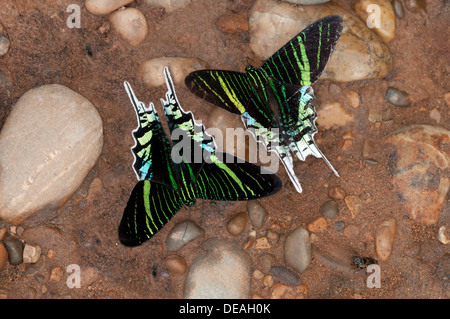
x=154, y=199
x=152, y=149
x=302, y=59
x=298, y=116
x=226, y=177
x=149, y=208
x=271, y=130
x=229, y=90
x=222, y=176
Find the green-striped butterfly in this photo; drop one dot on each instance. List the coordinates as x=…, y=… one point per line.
x=274, y=100
x=170, y=176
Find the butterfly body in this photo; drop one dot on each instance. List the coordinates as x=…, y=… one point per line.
x=171, y=175
x=274, y=100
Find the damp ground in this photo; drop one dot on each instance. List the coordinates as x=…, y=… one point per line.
x=95, y=64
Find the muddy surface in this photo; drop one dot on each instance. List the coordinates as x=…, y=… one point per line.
x=95, y=64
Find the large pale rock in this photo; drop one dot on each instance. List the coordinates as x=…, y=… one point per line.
x=151, y=71
x=130, y=24
x=51, y=139
x=102, y=7
x=379, y=16
x=419, y=165
x=359, y=53
x=224, y=272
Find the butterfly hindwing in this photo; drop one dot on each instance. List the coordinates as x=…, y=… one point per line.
x=302, y=59
x=228, y=178
x=149, y=208
x=152, y=149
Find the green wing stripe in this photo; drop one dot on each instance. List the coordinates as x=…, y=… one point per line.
x=308, y=51
x=243, y=180
x=146, y=213
x=227, y=89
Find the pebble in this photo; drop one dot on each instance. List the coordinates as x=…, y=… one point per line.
x=353, y=99
x=3, y=255
x=31, y=254
x=262, y=243
x=56, y=274
x=257, y=213
x=396, y=97
x=435, y=115
x=416, y=5
x=318, y=225
x=333, y=115
x=384, y=238
x=398, y=9
x=168, y=5
x=339, y=226
x=232, y=23
x=281, y=291
x=272, y=235
x=297, y=249
x=447, y=98
x=151, y=71
x=248, y=243
x=103, y=7
x=375, y=115
x=237, y=224
x=258, y=275
x=336, y=193
x=285, y=275
x=418, y=164
x=329, y=209
x=268, y=281
x=63, y=132
x=181, y=234
x=358, y=55
x=89, y=276
x=367, y=149
x=266, y=261
x=384, y=16
x=130, y=24
x=3, y=232
x=354, y=205
x=443, y=235
x=4, y=41
x=15, y=250
x=224, y=272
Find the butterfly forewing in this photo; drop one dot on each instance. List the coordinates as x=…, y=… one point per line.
x=302, y=60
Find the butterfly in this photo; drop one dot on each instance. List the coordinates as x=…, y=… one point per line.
x=173, y=173
x=274, y=101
